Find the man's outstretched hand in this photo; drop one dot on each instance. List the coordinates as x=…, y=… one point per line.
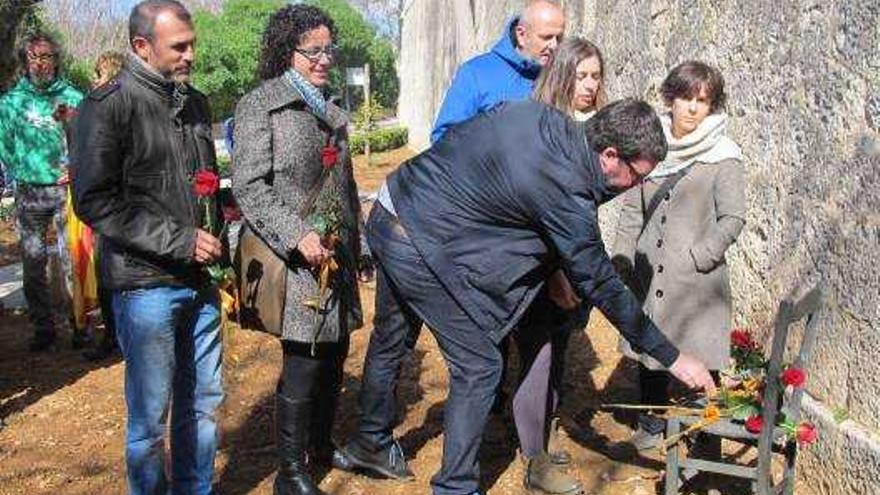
x=693, y=373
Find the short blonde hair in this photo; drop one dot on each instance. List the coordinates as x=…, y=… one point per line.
x=108, y=64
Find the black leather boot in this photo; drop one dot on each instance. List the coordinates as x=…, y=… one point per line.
x=323, y=416
x=292, y=422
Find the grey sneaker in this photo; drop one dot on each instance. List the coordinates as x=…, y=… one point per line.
x=542, y=474
x=558, y=455
x=644, y=440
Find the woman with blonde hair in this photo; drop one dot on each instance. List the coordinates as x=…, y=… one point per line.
x=107, y=65
x=83, y=246
x=574, y=80
x=572, y=83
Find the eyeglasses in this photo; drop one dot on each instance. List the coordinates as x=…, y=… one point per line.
x=42, y=57
x=314, y=54
x=635, y=173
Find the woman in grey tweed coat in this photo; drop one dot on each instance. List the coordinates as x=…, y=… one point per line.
x=291, y=155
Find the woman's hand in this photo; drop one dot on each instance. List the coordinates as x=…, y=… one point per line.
x=206, y=248
x=312, y=250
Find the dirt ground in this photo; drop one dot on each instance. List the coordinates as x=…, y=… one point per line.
x=64, y=418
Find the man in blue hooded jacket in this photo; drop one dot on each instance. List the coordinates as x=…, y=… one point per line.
x=508, y=71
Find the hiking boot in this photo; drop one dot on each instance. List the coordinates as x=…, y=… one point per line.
x=542, y=474
x=642, y=439
x=388, y=462
x=558, y=455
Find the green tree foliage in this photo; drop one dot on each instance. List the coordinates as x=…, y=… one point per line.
x=359, y=44
x=383, y=73
x=80, y=72
x=228, y=51
x=17, y=17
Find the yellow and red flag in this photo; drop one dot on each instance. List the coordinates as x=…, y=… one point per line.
x=81, y=244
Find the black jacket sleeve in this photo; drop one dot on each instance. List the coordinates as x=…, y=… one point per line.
x=97, y=162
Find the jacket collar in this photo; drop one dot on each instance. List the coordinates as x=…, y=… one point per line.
x=280, y=93
x=171, y=91
x=506, y=49
x=58, y=85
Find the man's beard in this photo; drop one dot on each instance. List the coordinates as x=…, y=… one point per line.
x=179, y=77
x=41, y=79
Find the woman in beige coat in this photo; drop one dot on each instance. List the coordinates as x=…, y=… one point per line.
x=675, y=229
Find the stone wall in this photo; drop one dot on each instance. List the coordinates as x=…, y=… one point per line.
x=803, y=80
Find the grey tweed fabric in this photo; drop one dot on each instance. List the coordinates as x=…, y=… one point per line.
x=276, y=163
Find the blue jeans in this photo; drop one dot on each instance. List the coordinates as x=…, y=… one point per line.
x=408, y=294
x=170, y=340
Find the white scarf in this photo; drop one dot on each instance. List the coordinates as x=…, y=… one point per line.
x=579, y=116
x=707, y=143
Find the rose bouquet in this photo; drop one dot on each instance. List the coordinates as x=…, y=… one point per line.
x=740, y=396
x=742, y=392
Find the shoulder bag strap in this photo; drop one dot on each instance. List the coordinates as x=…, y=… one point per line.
x=664, y=189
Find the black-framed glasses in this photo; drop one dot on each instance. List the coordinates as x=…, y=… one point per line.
x=635, y=173
x=314, y=54
x=41, y=57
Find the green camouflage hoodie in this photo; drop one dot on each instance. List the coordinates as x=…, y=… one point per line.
x=32, y=143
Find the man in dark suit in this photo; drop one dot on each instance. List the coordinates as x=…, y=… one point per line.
x=466, y=234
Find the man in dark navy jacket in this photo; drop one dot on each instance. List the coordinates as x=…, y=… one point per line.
x=466, y=234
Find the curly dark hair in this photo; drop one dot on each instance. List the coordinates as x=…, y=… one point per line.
x=40, y=37
x=631, y=127
x=285, y=32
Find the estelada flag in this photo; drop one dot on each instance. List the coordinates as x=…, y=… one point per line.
x=81, y=243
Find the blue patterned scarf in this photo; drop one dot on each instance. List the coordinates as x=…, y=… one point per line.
x=312, y=95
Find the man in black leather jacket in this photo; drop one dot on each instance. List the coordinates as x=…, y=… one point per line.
x=138, y=142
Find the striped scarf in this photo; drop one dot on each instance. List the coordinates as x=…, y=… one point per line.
x=312, y=95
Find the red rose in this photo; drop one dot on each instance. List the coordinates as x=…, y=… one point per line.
x=806, y=433
x=742, y=339
x=754, y=424
x=794, y=377
x=329, y=154
x=206, y=183
x=231, y=214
